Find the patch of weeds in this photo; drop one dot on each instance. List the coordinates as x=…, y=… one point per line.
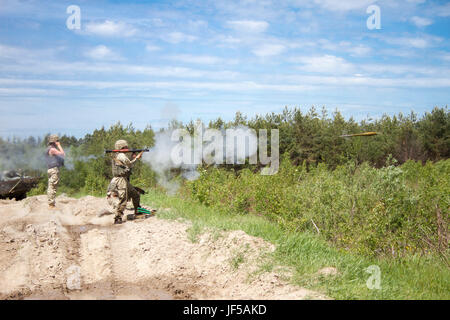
x=216, y=234
x=237, y=259
x=193, y=232
x=167, y=214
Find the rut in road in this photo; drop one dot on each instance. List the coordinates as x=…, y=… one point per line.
x=75, y=252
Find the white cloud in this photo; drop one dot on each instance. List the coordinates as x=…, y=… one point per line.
x=201, y=59
x=21, y=92
x=97, y=68
x=140, y=85
x=8, y=52
x=324, y=64
x=227, y=41
x=421, y=22
x=197, y=24
x=414, y=42
x=248, y=26
x=359, y=50
x=344, y=5
x=416, y=1
x=300, y=83
x=443, y=11
x=345, y=46
x=267, y=50
x=177, y=37
x=383, y=69
x=111, y=29
x=102, y=52
x=25, y=55
x=403, y=53
x=152, y=48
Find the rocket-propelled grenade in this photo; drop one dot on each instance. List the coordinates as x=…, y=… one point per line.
x=363, y=134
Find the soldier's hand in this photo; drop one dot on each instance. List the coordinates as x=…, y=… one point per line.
x=139, y=155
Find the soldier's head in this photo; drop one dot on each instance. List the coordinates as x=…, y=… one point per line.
x=52, y=139
x=120, y=144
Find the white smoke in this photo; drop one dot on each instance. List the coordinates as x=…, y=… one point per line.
x=24, y=157
x=72, y=157
x=21, y=157
x=231, y=146
x=159, y=158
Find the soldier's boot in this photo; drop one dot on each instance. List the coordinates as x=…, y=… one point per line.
x=117, y=220
x=136, y=204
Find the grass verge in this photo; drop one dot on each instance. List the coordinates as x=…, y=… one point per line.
x=408, y=278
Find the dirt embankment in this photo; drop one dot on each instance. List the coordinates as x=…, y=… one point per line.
x=73, y=252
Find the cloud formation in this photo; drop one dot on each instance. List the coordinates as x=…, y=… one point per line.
x=248, y=26
x=217, y=57
x=421, y=22
x=102, y=52
x=178, y=37
x=110, y=28
x=268, y=50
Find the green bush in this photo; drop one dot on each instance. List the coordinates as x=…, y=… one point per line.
x=391, y=211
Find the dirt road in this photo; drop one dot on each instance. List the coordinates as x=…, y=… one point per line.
x=73, y=252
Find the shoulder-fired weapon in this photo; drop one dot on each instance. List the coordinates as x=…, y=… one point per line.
x=127, y=150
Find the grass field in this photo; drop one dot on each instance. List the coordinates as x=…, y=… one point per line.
x=407, y=278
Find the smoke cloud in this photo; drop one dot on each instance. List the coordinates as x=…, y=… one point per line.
x=160, y=160
x=179, y=151
x=21, y=156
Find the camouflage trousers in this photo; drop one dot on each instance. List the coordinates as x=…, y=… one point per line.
x=53, y=180
x=120, y=191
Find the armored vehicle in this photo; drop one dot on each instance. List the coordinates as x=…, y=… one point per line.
x=15, y=185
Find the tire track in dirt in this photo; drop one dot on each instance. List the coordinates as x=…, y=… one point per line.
x=106, y=270
x=75, y=253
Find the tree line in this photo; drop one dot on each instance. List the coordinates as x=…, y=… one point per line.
x=310, y=137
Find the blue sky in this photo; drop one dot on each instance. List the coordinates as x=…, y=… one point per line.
x=148, y=61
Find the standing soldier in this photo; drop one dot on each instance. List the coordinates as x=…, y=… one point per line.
x=54, y=157
x=120, y=190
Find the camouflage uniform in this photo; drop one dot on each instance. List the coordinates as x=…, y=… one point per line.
x=53, y=164
x=120, y=190
x=53, y=180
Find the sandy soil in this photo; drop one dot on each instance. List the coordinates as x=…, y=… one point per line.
x=76, y=252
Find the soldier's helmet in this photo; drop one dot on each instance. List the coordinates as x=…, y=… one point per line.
x=120, y=144
x=53, y=138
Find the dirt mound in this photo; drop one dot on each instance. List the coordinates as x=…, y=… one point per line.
x=76, y=252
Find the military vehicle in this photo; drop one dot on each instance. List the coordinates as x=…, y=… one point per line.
x=15, y=185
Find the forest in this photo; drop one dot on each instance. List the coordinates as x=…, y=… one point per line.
x=383, y=195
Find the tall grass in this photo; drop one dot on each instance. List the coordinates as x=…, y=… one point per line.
x=412, y=277
x=394, y=211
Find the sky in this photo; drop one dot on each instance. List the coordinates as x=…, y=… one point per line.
x=147, y=62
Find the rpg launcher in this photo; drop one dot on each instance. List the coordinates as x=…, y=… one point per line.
x=128, y=150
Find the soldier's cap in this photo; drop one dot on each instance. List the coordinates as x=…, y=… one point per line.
x=120, y=144
x=53, y=138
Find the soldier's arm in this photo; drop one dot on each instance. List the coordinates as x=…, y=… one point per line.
x=56, y=152
x=125, y=161
x=61, y=150
x=137, y=157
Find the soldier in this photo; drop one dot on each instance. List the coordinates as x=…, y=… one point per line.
x=120, y=190
x=54, y=157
